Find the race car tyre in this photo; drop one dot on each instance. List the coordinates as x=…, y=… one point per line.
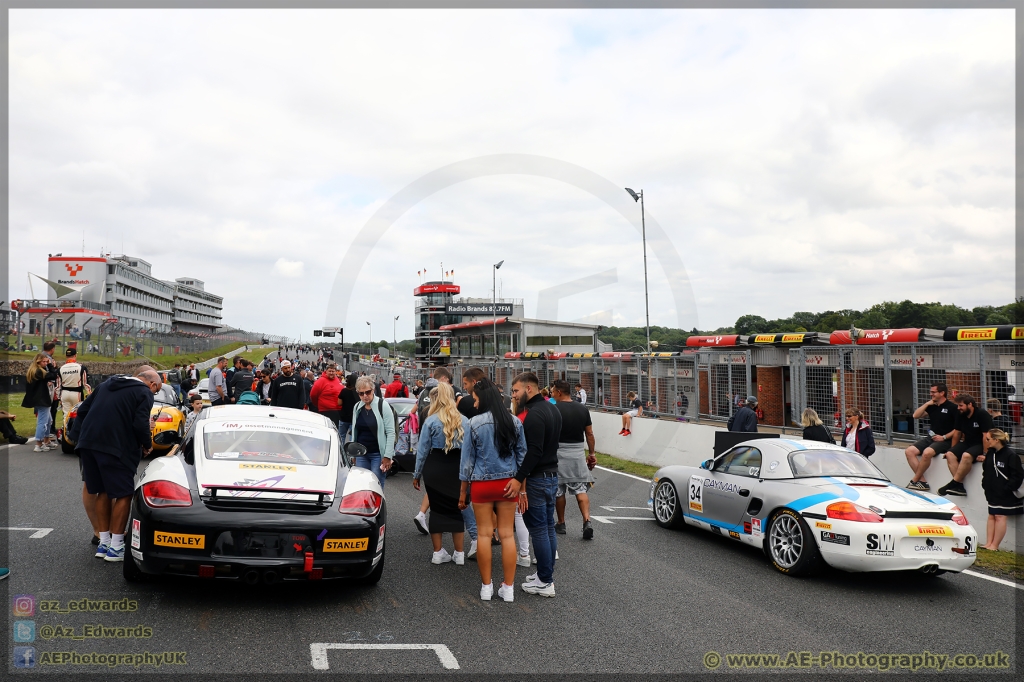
x=791, y=546
x=668, y=512
x=66, y=447
x=374, y=577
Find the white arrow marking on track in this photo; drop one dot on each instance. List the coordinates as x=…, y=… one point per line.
x=318, y=652
x=611, y=509
x=608, y=519
x=39, y=532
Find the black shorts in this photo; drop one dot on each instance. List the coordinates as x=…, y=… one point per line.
x=939, y=446
x=105, y=473
x=974, y=451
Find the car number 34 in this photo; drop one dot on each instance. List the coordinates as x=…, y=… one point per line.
x=695, y=493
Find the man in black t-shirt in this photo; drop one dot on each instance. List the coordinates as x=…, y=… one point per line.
x=573, y=465
x=972, y=423
x=467, y=404
x=287, y=389
x=941, y=425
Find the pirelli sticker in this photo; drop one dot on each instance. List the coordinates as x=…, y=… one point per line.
x=346, y=544
x=930, y=531
x=984, y=334
x=1017, y=334
x=764, y=338
x=180, y=540
x=266, y=467
x=793, y=338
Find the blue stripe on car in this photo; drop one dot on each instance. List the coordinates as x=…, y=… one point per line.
x=796, y=445
x=918, y=495
x=811, y=500
x=850, y=492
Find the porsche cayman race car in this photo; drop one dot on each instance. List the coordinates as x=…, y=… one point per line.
x=166, y=415
x=257, y=494
x=804, y=503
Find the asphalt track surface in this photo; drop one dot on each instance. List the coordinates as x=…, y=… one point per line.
x=636, y=599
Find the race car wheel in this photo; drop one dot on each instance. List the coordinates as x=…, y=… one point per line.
x=791, y=545
x=374, y=577
x=668, y=511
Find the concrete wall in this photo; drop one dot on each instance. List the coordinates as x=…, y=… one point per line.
x=660, y=442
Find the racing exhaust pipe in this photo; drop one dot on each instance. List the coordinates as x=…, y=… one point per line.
x=251, y=577
x=270, y=577
x=929, y=569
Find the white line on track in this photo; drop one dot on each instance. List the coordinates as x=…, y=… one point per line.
x=612, y=519
x=1009, y=583
x=622, y=473
x=39, y=532
x=318, y=652
x=611, y=509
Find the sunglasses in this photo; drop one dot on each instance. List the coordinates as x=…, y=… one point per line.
x=365, y=392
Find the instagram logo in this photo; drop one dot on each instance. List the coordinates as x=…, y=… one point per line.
x=24, y=605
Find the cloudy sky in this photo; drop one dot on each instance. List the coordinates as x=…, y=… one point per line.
x=797, y=160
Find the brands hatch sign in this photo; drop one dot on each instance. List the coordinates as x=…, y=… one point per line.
x=478, y=309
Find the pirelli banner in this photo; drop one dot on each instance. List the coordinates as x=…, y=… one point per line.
x=1005, y=332
x=794, y=339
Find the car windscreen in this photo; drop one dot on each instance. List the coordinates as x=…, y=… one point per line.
x=261, y=442
x=832, y=463
x=402, y=409
x=165, y=396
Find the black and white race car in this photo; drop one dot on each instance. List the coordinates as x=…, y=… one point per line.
x=258, y=494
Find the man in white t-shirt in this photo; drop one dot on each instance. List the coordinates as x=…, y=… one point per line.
x=218, y=385
x=582, y=393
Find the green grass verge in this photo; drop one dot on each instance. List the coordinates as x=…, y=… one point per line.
x=1009, y=565
x=165, y=361
x=626, y=466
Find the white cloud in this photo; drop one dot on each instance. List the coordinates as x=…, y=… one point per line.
x=288, y=268
x=798, y=159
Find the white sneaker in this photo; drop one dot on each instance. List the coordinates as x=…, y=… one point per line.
x=507, y=592
x=459, y=558
x=441, y=557
x=539, y=588
x=532, y=578
x=523, y=560
x=40, y=448
x=472, y=550
x=421, y=523
x=556, y=555
x=487, y=591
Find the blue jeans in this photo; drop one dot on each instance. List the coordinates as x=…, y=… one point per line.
x=539, y=518
x=469, y=518
x=372, y=462
x=177, y=390
x=42, y=423
x=343, y=429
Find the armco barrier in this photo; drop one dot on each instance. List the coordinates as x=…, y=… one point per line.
x=660, y=442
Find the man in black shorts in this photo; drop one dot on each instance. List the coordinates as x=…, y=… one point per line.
x=971, y=424
x=574, y=464
x=941, y=424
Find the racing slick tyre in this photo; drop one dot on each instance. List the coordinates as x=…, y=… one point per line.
x=668, y=512
x=791, y=546
x=374, y=577
x=66, y=446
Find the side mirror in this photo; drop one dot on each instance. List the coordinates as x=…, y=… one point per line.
x=354, y=449
x=166, y=438
x=707, y=464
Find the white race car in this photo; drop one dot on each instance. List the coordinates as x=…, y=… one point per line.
x=805, y=502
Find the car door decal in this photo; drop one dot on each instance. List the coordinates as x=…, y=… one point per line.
x=695, y=494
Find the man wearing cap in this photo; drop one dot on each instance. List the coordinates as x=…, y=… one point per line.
x=744, y=420
x=73, y=379
x=287, y=389
x=396, y=389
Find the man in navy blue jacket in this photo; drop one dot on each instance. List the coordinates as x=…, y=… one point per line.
x=111, y=433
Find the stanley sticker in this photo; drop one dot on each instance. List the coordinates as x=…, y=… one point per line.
x=346, y=545
x=267, y=467
x=179, y=540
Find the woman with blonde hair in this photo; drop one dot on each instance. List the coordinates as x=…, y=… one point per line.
x=438, y=456
x=814, y=429
x=39, y=396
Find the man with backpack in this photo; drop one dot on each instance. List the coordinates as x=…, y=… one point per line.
x=396, y=389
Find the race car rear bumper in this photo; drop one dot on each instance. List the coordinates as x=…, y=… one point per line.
x=895, y=545
x=254, y=546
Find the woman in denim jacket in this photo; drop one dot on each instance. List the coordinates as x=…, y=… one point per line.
x=491, y=454
x=439, y=455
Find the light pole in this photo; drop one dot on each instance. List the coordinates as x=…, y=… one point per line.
x=643, y=232
x=394, y=337
x=371, y=337
x=494, y=304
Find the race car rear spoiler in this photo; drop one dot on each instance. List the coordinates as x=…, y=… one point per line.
x=323, y=496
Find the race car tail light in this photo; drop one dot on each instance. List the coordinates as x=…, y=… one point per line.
x=164, y=417
x=166, y=494
x=362, y=503
x=958, y=517
x=316, y=574
x=207, y=571
x=848, y=511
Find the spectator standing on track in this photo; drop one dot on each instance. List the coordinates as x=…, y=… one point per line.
x=263, y=385
x=38, y=396
x=438, y=459
x=111, y=433
x=972, y=423
x=744, y=420
x=396, y=389
x=814, y=429
x=49, y=348
x=174, y=379
x=326, y=394
x=240, y=382
x=218, y=388
x=196, y=405
x=636, y=409
x=347, y=400
x=941, y=425
x=857, y=435
x=307, y=385
x=193, y=374
x=492, y=450
x=1000, y=421
x=581, y=393
x=287, y=389
x=1001, y=478
x=73, y=382
x=536, y=480
x=418, y=388
x=467, y=405
x=373, y=425
x=574, y=466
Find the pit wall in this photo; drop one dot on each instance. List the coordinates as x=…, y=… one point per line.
x=660, y=442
